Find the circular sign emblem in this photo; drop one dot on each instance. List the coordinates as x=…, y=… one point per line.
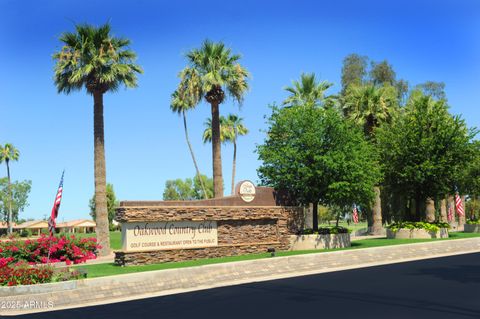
x=247, y=191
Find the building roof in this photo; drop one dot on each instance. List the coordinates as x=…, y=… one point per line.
x=34, y=224
x=77, y=223
x=4, y=225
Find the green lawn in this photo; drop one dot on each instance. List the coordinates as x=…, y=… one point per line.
x=353, y=227
x=101, y=270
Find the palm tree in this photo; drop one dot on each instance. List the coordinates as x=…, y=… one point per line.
x=92, y=58
x=185, y=98
x=370, y=106
x=226, y=133
x=9, y=153
x=236, y=128
x=307, y=92
x=219, y=73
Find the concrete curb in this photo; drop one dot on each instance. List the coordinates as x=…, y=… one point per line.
x=133, y=286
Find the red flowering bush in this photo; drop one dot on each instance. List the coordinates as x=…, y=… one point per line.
x=22, y=273
x=62, y=249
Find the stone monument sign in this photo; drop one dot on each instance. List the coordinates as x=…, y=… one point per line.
x=252, y=221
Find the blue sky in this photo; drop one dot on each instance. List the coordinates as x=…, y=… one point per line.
x=145, y=144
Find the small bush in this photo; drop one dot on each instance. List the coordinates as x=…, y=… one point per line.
x=473, y=222
x=326, y=231
x=26, y=233
x=434, y=227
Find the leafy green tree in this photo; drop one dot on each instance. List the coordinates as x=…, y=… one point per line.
x=187, y=189
x=16, y=194
x=178, y=189
x=184, y=99
x=306, y=92
x=8, y=153
x=318, y=157
x=354, y=70
x=218, y=73
x=426, y=149
x=237, y=128
x=382, y=73
x=93, y=59
x=434, y=89
x=370, y=107
x=197, y=184
x=112, y=204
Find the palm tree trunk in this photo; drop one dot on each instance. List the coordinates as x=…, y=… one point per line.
x=216, y=152
x=10, y=226
x=443, y=211
x=205, y=195
x=101, y=212
x=430, y=210
x=234, y=162
x=315, y=216
x=451, y=203
x=377, y=213
x=461, y=219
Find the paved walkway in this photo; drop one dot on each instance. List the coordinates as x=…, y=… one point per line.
x=438, y=288
x=164, y=282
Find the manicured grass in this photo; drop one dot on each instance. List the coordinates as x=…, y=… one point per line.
x=352, y=226
x=101, y=270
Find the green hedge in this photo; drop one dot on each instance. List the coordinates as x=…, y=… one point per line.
x=326, y=231
x=418, y=225
x=473, y=222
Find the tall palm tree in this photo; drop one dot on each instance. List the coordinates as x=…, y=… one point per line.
x=185, y=98
x=92, y=58
x=9, y=153
x=219, y=73
x=307, y=92
x=370, y=106
x=236, y=128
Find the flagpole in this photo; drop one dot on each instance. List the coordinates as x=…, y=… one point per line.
x=54, y=214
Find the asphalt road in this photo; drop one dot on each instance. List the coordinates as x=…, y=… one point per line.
x=434, y=288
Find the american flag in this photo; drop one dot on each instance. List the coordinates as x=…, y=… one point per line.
x=355, y=214
x=459, y=205
x=56, y=207
x=450, y=213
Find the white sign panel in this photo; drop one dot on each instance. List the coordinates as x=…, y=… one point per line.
x=144, y=236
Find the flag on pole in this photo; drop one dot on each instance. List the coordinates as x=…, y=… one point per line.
x=459, y=205
x=355, y=214
x=450, y=213
x=56, y=207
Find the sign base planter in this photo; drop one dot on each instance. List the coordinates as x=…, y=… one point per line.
x=416, y=233
x=471, y=228
x=311, y=242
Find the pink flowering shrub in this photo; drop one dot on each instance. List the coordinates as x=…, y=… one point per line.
x=62, y=249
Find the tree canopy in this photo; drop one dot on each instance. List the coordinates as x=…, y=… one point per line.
x=112, y=204
x=92, y=58
x=318, y=157
x=187, y=189
x=19, y=191
x=425, y=150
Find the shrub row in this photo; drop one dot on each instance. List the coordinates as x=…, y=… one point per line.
x=418, y=225
x=326, y=231
x=21, y=273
